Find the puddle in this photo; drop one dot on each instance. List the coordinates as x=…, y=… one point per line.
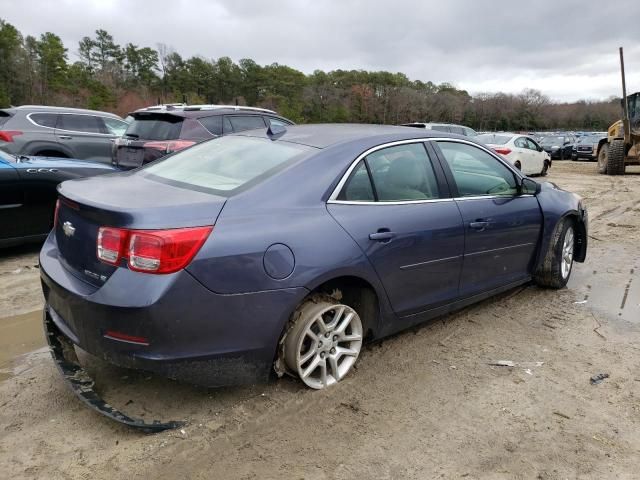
x=609, y=284
x=19, y=334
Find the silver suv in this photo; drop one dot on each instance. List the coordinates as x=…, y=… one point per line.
x=59, y=132
x=444, y=127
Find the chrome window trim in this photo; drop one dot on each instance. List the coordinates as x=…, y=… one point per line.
x=333, y=198
x=398, y=202
x=28, y=116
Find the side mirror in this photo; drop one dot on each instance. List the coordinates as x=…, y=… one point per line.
x=529, y=187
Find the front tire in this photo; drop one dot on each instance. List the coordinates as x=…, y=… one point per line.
x=545, y=169
x=555, y=270
x=324, y=342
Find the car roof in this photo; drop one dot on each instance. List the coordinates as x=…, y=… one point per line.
x=328, y=134
x=199, y=111
x=46, y=108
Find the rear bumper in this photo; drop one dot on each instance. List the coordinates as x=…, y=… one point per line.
x=193, y=334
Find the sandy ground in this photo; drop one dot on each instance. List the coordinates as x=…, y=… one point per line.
x=423, y=404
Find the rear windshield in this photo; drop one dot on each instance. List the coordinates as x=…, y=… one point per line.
x=155, y=127
x=493, y=139
x=225, y=164
x=4, y=116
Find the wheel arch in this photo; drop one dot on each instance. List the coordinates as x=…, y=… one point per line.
x=357, y=292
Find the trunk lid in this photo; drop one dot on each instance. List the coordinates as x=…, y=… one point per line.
x=126, y=201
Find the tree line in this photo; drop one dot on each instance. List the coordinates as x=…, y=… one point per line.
x=121, y=78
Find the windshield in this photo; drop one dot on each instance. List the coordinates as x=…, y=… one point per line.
x=493, y=139
x=225, y=164
x=553, y=140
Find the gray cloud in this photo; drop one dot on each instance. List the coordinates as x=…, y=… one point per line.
x=566, y=49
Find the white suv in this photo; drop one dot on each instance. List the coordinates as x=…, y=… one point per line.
x=444, y=127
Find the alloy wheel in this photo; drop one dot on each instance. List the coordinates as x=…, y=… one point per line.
x=324, y=343
x=567, y=253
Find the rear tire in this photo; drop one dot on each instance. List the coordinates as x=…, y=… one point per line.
x=555, y=270
x=603, y=158
x=615, y=161
x=323, y=342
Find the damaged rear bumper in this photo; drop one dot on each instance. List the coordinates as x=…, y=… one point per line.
x=81, y=384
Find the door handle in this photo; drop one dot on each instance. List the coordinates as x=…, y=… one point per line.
x=64, y=137
x=382, y=235
x=479, y=225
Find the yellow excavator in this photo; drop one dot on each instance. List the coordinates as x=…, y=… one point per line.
x=622, y=145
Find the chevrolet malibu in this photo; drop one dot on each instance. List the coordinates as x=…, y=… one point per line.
x=284, y=250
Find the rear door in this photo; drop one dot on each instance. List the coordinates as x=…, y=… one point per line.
x=85, y=135
x=501, y=226
x=396, y=206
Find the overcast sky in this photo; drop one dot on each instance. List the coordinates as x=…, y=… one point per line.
x=568, y=49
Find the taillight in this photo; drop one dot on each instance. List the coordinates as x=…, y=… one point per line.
x=169, y=147
x=55, y=214
x=111, y=244
x=151, y=251
x=502, y=150
x=7, y=135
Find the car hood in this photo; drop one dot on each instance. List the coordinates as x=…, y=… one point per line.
x=57, y=162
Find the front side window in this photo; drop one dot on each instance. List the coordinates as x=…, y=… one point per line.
x=393, y=174
x=225, y=163
x=476, y=172
x=532, y=145
x=81, y=123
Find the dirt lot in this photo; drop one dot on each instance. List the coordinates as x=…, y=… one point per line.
x=423, y=404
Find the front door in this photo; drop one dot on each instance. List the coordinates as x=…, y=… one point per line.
x=11, y=202
x=86, y=136
x=394, y=207
x=502, y=227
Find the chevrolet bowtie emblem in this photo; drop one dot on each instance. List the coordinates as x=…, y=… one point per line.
x=68, y=229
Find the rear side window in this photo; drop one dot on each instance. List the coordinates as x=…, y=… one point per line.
x=155, y=127
x=44, y=119
x=240, y=123
x=81, y=123
x=441, y=128
x=358, y=188
x=469, y=132
x=212, y=124
x=4, y=116
x=399, y=173
x=225, y=164
x=458, y=130
x=115, y=126
x=276, y=122
x=477, y=173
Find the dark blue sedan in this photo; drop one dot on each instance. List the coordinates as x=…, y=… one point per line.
x=285, y=250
